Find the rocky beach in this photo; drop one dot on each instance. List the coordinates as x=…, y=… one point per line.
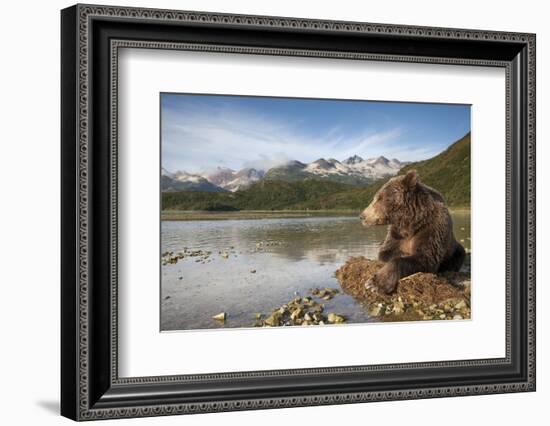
x=301, y=271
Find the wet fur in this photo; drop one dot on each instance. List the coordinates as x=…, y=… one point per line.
x=420, y=235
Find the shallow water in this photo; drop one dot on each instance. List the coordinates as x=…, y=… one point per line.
x=288, y=256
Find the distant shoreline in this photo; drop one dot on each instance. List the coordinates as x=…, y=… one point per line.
x=190, y=215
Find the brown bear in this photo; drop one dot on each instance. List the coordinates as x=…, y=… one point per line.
x=420, y=234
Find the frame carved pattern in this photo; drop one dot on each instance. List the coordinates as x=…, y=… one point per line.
x=88, y=12
x=118, y=44
x=303, y=401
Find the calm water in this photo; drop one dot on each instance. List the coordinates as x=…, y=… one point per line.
x=287, y=256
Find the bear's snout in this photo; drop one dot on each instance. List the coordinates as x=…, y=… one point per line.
x=372, y=215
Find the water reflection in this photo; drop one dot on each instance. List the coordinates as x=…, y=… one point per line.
x=287, y=255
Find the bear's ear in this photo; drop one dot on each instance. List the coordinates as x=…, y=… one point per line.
x=410, y=179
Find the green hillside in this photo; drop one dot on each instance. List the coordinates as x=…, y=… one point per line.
x=356, y=198
x=448, y=172
x=264, y=195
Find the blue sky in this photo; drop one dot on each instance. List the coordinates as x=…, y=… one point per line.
x=202, y=132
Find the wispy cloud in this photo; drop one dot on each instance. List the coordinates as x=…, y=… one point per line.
x=202, y=137
x=198, y=141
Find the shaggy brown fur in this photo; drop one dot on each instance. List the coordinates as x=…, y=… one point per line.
x=420, y=236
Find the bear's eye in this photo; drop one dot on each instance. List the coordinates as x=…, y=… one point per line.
x=380, y=197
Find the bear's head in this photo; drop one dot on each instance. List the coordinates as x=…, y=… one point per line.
x=401, y=199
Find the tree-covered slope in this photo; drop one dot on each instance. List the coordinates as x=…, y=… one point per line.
x=448, y=172
x=264, y=195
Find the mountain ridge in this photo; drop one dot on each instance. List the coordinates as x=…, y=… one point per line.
x=181, y=182
x=448, y=172
x=353, y=171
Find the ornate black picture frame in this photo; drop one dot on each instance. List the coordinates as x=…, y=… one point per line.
x=91, y=36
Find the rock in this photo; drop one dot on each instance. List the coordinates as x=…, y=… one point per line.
x=418, y=296
x=252, y=271
x=461, y=305
x=398, y=307
x=318, y=308
x=377, y=311
x=325, y=293
x=297, y=313
x=335, y=318
x=307, y=301
x=273, y=320
x=220, y=317
x=225, y=255
x=257, y=315
x=457, y=317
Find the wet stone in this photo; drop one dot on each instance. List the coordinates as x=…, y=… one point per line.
x=303, y=311
x=220, y=317
x=335, y=318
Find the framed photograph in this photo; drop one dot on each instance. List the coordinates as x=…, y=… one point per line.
x=295, y=237
x=263, y=212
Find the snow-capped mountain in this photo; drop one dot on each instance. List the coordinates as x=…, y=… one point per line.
x=354, y=171
x=220, y=180
x=221, y=176
x=374, y=168
x=232, y=180
x=322, y=166
x=183, y=181
x=243, y=179
x=353, y=160
x=355, y=166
